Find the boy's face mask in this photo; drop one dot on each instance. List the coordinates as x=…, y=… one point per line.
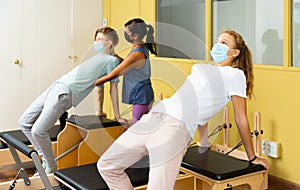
x=99, y=46
x=219, y=52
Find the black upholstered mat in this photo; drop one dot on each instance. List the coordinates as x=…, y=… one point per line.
x=92, y=121
x=53, y=133
x=18, y=134
x=216, y=165
x=86, y=177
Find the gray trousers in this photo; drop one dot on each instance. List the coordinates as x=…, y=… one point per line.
x=41, y=116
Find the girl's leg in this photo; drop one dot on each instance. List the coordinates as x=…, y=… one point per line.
x=138, y=110
x=165, y=175
x=166, y=147
x=125, y=151
x=117, y=158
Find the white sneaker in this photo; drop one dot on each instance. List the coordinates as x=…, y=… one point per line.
x=50, y=169
x=47, y=171
x=36, y=173
x=208, y=145
x=44, y=163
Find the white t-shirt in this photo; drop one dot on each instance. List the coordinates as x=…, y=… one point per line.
x=205, y=92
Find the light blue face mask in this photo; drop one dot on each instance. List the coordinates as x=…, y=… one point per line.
x=219, y=52
x=99, y=46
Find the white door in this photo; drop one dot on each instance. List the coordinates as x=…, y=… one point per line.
x=54, y=40
x=10, y=73
x=38, y=34
x=43, y=36
x=65, y=36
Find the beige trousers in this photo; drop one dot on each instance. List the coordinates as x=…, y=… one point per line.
x=164, y=138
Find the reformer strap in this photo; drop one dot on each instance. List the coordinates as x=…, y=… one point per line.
x=255, y=132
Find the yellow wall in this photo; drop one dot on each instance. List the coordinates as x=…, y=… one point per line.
x=119, y=12
x=276, y=91
x=277, y=99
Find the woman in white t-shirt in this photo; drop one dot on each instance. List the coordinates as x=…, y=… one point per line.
x=166, y=132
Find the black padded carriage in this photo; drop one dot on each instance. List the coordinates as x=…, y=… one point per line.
x=53, y=133
x=18, y=134
x=89, y=122
x=209, y=163
x=216, y=165
x=87, y=177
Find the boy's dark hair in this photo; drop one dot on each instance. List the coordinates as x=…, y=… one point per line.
x=110, y=33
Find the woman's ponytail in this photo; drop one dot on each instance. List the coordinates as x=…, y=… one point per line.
x=150, y=44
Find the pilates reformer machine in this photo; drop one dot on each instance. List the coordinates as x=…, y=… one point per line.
x=219, y=167
x=72, y=145
x=222, y=167
x=7, y=159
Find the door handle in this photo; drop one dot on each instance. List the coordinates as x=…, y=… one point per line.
x=17, y=61
x=73, y=58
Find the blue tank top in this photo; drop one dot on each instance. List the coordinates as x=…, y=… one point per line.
x=137, y=88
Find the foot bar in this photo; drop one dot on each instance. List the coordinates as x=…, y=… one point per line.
x=13, y=144
x=17, y=144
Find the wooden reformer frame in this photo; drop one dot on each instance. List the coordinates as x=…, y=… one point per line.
x=256, y=180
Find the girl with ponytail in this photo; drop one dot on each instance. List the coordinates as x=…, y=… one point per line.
x=137, y=88
x=234, y=53
x=165, y=133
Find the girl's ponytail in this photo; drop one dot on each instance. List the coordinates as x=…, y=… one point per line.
x=150, y=44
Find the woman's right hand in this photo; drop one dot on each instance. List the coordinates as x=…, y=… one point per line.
x=264, y=162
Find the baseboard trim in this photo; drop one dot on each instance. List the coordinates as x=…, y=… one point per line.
x=281, y=184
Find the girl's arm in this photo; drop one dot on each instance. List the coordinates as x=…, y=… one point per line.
x=115, y=103
x=133, y=60
x=241, y=119
x=99, y=97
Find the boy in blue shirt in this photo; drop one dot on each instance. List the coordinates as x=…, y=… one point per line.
x=69, y=91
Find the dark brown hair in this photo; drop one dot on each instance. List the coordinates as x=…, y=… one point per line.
x=244, y=60
x=138, y=26
x=110, y=33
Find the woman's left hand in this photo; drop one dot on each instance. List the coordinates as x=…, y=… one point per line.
x=124, y=122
